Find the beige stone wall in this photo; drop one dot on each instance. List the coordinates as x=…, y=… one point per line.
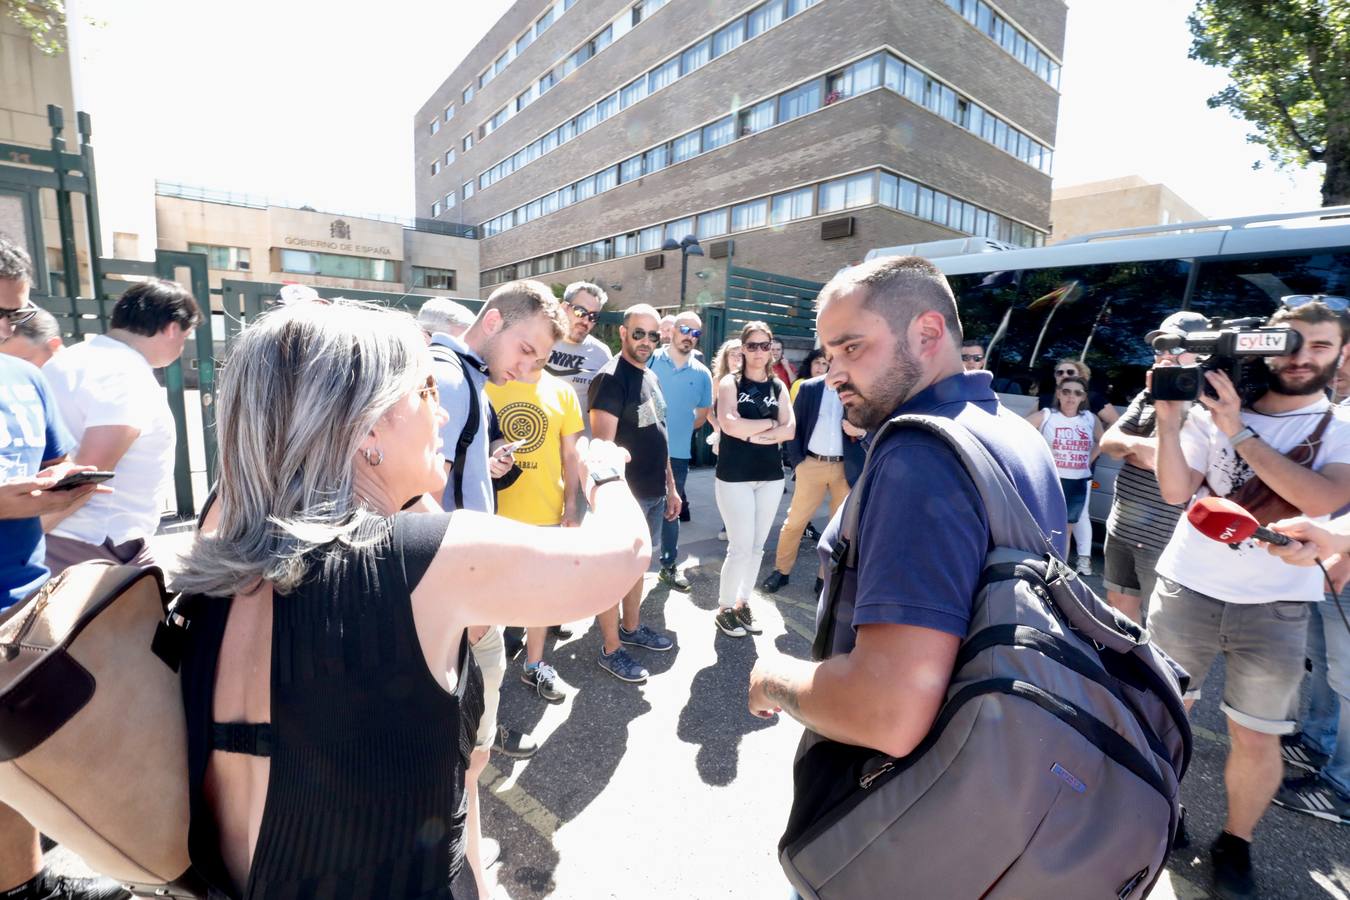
x=1129, y=202
x=29, y=80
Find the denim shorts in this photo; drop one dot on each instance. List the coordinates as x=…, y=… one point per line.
x=1263, y=647
x=1131, y=568
x=1075, y=495
x=654, y=510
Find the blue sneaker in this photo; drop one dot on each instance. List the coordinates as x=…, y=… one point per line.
x=622, y=666
x=645, y=638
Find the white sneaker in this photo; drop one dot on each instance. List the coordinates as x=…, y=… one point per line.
x=490, y=850
x=1084, y=566
x=722, y=535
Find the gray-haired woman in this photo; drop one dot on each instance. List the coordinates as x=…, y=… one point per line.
x=331, y=697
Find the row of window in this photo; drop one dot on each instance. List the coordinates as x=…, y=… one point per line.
x=519, y=44
x=876, y=71
x=437, y=279
x=1009, y=37
x=869, y=188
x=232, y=259
x=303, y=262
x=728, y=37
x=440, y=206
x=621, y=25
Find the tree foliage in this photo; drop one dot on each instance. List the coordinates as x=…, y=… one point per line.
x=1289, y=65
x=44, y=20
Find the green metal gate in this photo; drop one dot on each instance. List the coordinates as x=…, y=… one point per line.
x=785, y=304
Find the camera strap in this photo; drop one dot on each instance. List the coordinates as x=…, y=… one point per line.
x=1255, y=496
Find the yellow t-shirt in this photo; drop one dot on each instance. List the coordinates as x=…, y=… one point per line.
x=540, y=414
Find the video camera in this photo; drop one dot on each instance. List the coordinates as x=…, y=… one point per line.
x=1238, y=347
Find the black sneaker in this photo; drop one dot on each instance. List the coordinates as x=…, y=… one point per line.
x=672, y=579
x=1232, y=860
x=513, y=743
x=50, y=886
x=545, y=682
x=819, y=586
x=513, y=641
x=729, y=623
x=747, y=619
x=775, y=581
x=1313, y=796
x=809, y=533
x=1297, y=754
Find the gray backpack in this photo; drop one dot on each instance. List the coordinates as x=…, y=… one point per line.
x=1053, y=765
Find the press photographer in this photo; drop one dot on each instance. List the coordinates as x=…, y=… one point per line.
x=1282, y=453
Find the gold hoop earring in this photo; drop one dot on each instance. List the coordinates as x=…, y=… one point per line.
x=373, y=458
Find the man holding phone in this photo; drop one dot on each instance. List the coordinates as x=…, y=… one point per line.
x=32, y=461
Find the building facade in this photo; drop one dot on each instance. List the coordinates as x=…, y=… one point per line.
x=251, y=239
x=1129, y=202
x=787, y=135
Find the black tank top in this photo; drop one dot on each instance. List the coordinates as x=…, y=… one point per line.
x=365, y=797
x=739, y=460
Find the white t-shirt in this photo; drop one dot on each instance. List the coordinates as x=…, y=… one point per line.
x=577, y=364
x=105, y=382
x=1248, y=574
x=1070, y=441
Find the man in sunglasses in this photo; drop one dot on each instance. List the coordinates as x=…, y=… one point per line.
x=31, y=461
x=687, y=386
x=1141, y=522
x=579, y=355
x=1240, y=602
x=628, y=408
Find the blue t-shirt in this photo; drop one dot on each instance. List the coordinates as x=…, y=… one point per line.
x=686, y=389
x=32, y=433
x=454, y=390
x=923, y=534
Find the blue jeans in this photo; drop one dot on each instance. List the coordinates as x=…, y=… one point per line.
x=1329, y=708
x=670, y=531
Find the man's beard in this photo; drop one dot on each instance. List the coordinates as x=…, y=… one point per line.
x=1315, y=384
x=892, y=388
x=578, y=334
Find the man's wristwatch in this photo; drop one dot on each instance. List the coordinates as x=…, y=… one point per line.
x=605, y=474
x=1241, y=436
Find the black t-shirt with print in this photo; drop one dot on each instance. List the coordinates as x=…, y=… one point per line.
x=633, y=396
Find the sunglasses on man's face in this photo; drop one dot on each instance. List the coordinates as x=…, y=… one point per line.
x=1333, y=303
x=760, y=346
x=691, y=331
x=20, y=315
x=641, y=334
x=582, y=312
x=1066, y=371
x=968, y=357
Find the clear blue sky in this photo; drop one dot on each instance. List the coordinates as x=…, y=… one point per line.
x=313, y=101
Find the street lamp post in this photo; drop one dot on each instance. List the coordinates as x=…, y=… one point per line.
x=688, y=246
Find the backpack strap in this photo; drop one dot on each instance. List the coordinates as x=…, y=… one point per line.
x=441, y=353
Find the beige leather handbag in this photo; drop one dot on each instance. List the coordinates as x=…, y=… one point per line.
x=93, y=743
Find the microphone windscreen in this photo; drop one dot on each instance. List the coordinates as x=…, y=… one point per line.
x=1222, y=520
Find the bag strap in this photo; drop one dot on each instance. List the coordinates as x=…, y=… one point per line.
x=1011, y=523
x=471, y=424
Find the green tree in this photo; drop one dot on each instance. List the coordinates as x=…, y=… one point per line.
x=44, y=20
x=1289, y=61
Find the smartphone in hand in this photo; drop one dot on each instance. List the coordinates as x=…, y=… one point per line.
x=506, y=449
x=79, y=479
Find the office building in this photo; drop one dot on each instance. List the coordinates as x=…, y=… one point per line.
x=788, y=135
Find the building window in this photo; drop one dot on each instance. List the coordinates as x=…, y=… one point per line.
x=232, y=259
x=467, y=94
x=435, y=167
x=649, y=239
x=687, y=146
x=723, y=131
x=435, y=208
x=765, y=17
x=468, y=189
x=712, y=224
x=467, y=142
x=449, y=112
x=435, y=125
x=757, y=118
x=544, y=22
x=799, y=101
x=450, y=200
x=846, y=193
x=749, y=215
x=656, y=159
x=436, y=279
x=680, y=229
x=450, y=157
x=696, y=57
x=634, y=92
x=729, y=37
x=332, y=265
x=792, y=205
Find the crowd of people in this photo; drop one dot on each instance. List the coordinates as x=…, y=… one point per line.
x=361, y=633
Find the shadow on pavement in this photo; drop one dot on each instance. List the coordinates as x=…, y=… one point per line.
x=716, y=718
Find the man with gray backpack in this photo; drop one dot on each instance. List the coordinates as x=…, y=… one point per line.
x=963, y=681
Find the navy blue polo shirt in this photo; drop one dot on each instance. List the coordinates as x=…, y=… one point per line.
x=923, y=533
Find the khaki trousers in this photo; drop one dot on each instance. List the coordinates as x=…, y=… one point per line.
x=814, y=480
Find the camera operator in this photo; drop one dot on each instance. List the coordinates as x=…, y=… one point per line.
x=1210, y=598
x=1140, y=522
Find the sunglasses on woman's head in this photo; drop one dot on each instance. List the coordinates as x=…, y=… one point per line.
x=641, y=334
x=691, y=331
x=757, y=345
x=1332, y=302
x=582, y=312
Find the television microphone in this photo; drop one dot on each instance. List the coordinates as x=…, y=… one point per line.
x=1226, y=522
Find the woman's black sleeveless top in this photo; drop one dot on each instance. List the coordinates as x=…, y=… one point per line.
x=365, y=797
x=739, y=460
